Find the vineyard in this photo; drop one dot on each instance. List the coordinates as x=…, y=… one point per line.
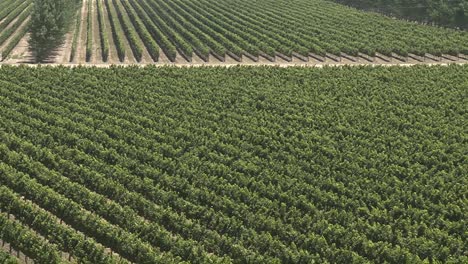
x=230, y=31
x=234, y=165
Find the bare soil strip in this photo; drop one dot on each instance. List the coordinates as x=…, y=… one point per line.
x=129, y=57
x=228, y=65
x=12, y=35
x=80, y=55
x=145, y=58
x=20, y=255
x=97, y=48
x=21, y=53
x=62, y=54
x=113, y=56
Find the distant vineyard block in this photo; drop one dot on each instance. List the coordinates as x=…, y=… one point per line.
x=144, y=30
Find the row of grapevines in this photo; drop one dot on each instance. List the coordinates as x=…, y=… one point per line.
x=146, y=191
x=188, y=191
x=21, y=9
x=132, y=36
x=117, y=33
x=144, y=33
x=11, y=6
x=255, y=33
x=89, y=32
x=27, y=241
x=76, y=35
x=225, y=27
x=102, y=31
x=153, y=22
x=12, y=29
x=271, y=41
x=232, y=169
x=195, y=20
x=120, y=240
x=201, y=42
x=101, y=184
x=13, y=42
x=123, y=217
x=67, y=239
x=6, y=258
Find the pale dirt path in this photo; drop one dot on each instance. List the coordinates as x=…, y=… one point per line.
x=113, y=56
x=97, y=48
x=21, y=53
x=163, y=59
x=20, y=256
x=145, y=58
x=8, y=27
x=23, y=258
x=80, y=55
x=284, y=65
x=66, y=257
x=129, y=58
x=5, y=43
x=6, y=17
x=62, y=54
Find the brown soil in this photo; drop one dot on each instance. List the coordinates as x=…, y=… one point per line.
x=196, y=59
x=5, y=43
x=21, y=53
x=97, y=48
x=62, y=54
x=129, y=58
x=80, y=56
x=113, y=56
x=163, y=59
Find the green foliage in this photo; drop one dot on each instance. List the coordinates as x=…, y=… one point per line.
x=89, y=32
x=445, y=13
x=5, y=258
x=5, y=34
x=240, y=164
x=117, y=32
x=23, y=9
x=15, y=40
x=25, y=240
x=103, y=31
x=50, y=20
x=132, y=31
x=270, y=26
x=239, y=28
x=76, y=35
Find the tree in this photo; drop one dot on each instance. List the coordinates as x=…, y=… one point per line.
x=50, y=21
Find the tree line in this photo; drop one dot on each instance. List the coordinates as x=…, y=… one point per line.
x=50, y=22
x=444, y=13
